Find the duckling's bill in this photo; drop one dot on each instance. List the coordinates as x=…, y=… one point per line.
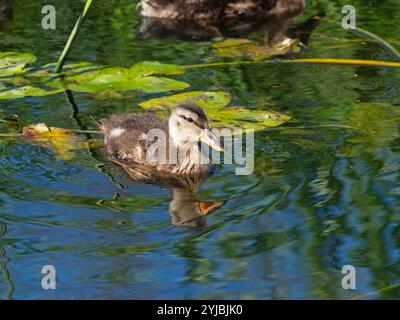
x=211, y=139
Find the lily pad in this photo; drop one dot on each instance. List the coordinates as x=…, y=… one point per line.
x=233, y=48
x=214, y=103
x=87, y=77
x=12, y=63
x=24, y=91
x=208, y=100
x=117, y=79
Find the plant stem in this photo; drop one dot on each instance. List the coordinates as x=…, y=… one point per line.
x=372, y=63
x=379, y=40
x=72, y=37
x=372, y=36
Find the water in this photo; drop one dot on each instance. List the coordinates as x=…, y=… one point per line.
x=320, y=197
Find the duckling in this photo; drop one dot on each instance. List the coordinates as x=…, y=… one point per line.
x=219, y=9
x=130, y=139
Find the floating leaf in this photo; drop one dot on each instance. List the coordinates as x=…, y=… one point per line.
x=117, y=79
x=214, y=103
x=61, y=141
x=86, y=77
x=12, y=63
x=245, y=48
x=25, y=91
x=209, y=100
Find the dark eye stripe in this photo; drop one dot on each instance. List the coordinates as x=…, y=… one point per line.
x=194, y=122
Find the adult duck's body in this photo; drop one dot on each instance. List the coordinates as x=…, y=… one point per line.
x=214, y=10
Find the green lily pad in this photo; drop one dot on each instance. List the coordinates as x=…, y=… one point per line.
x=233, y=48
x=86, y=77
x=117, y=79
x=208, y=100
x=214, y=103
x=12, y=63
x=25, y=91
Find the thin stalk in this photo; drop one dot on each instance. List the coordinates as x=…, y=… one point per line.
x=358, y=62
x=379, y=40
x=72, y=37
x=374, y=37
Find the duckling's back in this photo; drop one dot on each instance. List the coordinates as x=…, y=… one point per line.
x=125, y=135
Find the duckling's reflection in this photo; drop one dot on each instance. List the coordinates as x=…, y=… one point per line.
x=184, y=207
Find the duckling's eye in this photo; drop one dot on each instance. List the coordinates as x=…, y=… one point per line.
x=188, y=119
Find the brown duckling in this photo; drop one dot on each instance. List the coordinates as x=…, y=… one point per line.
x=138, y=139
x=213, y=10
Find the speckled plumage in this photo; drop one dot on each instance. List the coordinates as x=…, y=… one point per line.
x=219, y=9
x=127, y=141
x=131, y=145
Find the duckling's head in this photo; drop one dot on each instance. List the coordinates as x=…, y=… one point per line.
x=189, y=125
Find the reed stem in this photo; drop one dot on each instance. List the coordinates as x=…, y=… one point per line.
x=72, y=37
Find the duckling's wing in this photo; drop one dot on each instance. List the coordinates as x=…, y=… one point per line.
x=141, y=122
x=125, y=135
